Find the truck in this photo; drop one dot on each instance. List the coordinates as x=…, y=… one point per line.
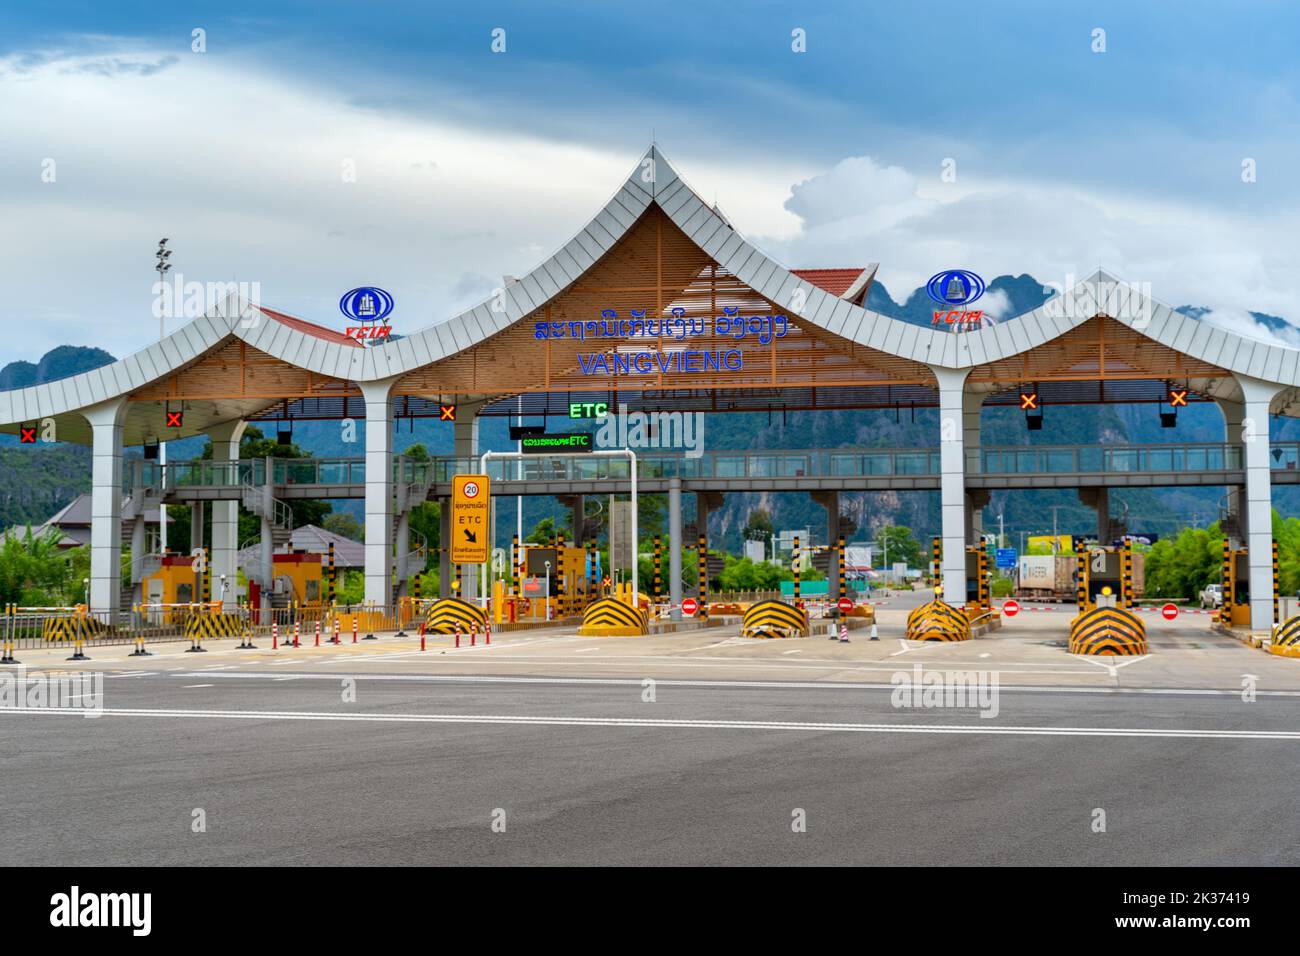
x=1051, y=577
x=1045, y=577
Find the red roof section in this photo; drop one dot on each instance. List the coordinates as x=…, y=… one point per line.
x=311, y=328
x=834, y=281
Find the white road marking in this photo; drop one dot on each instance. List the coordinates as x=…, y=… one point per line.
x=678, y=724
x=748, y=684
x=188, y=686
x=788, y=653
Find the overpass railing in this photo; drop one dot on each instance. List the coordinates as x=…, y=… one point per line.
x=822, y=463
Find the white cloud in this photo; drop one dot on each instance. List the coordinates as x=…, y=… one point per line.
x=859, y=211
x=241, y=168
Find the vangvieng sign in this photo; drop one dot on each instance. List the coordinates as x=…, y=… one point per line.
x=678, y=327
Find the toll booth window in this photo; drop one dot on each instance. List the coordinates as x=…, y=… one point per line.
x=312, y=590
x=184, y=593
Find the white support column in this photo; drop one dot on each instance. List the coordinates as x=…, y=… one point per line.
x=379, y=490
x=1233, y=412
x=225, y=515
x=106, y=422
x=1258, y=512
x=971, y=405
x=952, y=481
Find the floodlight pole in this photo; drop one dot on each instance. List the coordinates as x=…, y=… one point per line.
x=627, y=453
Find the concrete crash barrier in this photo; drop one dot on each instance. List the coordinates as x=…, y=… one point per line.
x=774, y=619
x=210, y=626
x=937, y=620
x=1286, y=638
x=1108, y=631
x=610, y=618
x=450, y=615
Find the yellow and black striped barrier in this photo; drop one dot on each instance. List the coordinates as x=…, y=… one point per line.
x=612, y=618
x=451, y=614
x=209, y=626
x=1108, y=631
x=774, y=619
x=1286, y=638
x=71, y=627
x=937, y=620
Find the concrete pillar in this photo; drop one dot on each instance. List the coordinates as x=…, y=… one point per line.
x=106, y=423
x=830, y=500
x=1099, y=498
x=952, y=482
x=379, y=490
x=1259, y=499
x=1233, y=412
x=972, y=404
x=225, y=514
x=403, y=549
x=138, y=540
x=444, y=550
x=675, y=547
x=266, y=548
x=577, y=508
x=196, y=528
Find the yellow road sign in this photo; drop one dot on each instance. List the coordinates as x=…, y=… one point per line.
x=471, y=539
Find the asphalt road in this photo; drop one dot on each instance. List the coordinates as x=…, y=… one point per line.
x=586, y=772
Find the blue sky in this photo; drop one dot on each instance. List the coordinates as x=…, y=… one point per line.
x=472, y=164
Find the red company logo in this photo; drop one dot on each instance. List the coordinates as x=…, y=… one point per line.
x=368, y=331
x=958, y=317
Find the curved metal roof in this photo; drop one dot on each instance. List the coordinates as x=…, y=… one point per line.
x=655, y=181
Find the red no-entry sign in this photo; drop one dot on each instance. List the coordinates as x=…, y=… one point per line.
x=690, y=606
x=1169, y=611
x=1010, y=608
x=845, y=605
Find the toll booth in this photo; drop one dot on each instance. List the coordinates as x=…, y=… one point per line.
x=978, y=576
x=1235, y=577
x=175, y=583
x=1100, y=568
x=555, y=576
x=299, y=577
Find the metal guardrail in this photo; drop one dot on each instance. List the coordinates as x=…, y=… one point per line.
x=813, y=463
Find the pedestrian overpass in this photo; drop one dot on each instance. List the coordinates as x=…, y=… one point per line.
x=659, y=304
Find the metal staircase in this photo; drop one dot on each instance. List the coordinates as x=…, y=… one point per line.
x=255, y=499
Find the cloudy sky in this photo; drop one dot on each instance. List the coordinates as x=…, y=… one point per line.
x=471, y=164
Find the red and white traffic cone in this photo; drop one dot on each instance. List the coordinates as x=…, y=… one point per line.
x=318, y=633
x=458, y=635
x=297, y=630
x=487, y=633
x=473, y=634
x=354, y=628
x=844, y=632
x=336, y=631
x=275, y=635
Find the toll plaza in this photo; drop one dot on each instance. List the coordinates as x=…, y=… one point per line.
x=657, y=308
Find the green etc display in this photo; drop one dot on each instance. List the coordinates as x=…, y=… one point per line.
x=550, y=444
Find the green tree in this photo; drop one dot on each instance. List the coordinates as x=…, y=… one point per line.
x=759, y=526
x=343, y=524
x=897, y=544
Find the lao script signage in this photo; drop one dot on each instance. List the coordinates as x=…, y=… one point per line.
x=764, y=329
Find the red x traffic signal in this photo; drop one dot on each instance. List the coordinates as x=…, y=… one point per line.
x=1177, y=396
x=446, y=413
x=26, y=436
x=174, y=419
x=1028, y=400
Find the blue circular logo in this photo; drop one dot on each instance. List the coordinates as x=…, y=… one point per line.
x=366, y=304
x=955, y=287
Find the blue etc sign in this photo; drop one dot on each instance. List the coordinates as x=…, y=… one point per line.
x=369, y=306
x=677, y=327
